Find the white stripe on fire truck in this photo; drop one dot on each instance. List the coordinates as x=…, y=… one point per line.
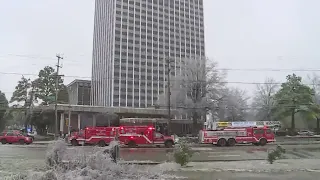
x=139, y=135
x=94, y=137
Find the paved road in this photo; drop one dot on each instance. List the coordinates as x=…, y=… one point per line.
x=210, y=153
x=249, y=176
x=15, y=158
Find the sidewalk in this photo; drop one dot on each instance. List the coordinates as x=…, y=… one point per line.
x=43, y=142
x=275, y=143
x=209, y=145
x=258, y=166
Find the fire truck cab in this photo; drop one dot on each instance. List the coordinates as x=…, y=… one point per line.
x=232, y=136
x=93, y=136
x=143, y=135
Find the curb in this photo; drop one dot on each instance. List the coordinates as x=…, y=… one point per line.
x=209, y=145
x=139, y=163
x=297, y=143
x=195, y=161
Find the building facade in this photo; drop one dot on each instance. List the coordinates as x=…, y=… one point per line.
x=79, y=92
x=133, y=41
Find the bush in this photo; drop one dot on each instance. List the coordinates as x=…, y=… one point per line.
x=98, y=165
x=183, y=153
x=275, y=154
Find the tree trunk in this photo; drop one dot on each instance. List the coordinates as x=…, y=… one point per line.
x=195, y=123
x=293, y=125
x=318, y=125
x=26, y=121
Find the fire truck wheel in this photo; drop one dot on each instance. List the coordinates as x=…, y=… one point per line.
x=222, y=142
x=102, y=143
x=231, y=142
x=263, y=142
x=132, y=144
x=74, y=142
x=168, y=144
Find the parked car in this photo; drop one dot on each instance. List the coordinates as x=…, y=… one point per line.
x=12, y=137
x=306, y=133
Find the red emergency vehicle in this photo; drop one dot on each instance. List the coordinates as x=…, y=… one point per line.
x=14, y=136
x=143, y=135
x=93, y=136
x=231, y=136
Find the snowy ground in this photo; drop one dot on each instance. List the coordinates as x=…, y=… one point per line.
x=256, y=166
x=301, y=163
x=248, y=176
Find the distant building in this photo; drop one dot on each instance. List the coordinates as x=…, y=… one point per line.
x=79, y=92
x=132, y=43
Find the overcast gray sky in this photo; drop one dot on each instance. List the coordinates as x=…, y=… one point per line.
x=240, y=34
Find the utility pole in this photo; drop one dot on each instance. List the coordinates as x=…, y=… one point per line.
x=56, y=97
x=69, y=120
x=31, y=105
x=168, y=96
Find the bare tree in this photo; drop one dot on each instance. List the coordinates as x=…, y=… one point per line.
x=197, y=89
x=233, y=106
x=263, y=101
x=315, y=85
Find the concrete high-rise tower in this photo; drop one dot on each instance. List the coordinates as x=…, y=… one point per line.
x=132, y=40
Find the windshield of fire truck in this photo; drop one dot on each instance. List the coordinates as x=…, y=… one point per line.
x=157, y=135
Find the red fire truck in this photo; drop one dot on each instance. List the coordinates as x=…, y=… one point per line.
x=231, y=136
x=144, y=135
x=93, y=136
x=128, y=135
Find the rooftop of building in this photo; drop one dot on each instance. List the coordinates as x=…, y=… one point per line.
x=76, y=81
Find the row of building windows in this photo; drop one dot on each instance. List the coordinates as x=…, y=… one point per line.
x=183, y=28
x=165, y=2
x=185, y=54
x=166, y=33
x=171, y=26
x=131, y=104
x=159, y=10
x=144, y=15
x=161, y=2
x=182, y=18
x=129, y=96
x=158, y=35
x=183, y=51
x=161, y=13
x=165, y=43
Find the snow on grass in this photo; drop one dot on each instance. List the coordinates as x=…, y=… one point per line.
x=254, y=166
x=95, y=166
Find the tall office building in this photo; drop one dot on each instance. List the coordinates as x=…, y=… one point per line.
x=133, y=39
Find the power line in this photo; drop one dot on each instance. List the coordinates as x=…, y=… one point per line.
x=34, y=57
x=188, y=108
x=218, y=69
x=28, y=56
x=174, y=80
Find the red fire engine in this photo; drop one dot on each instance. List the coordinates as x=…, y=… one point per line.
x=93, y=136
x=231, y=136
x=144, y=135
x=128, y=135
